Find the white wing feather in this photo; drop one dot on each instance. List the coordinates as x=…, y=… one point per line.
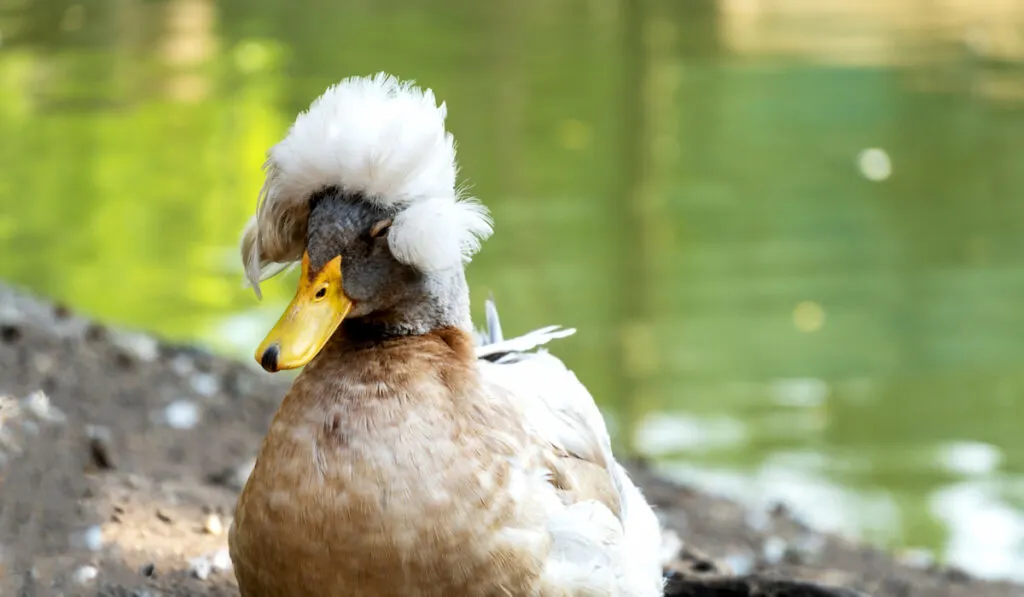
x=522, y=343
x=589, y=541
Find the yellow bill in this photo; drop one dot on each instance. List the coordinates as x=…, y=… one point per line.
x=309, y=322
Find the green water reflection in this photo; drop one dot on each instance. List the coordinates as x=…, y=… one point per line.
x=679, y=180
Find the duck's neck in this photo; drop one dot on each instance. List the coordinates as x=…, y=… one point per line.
x=442, y=303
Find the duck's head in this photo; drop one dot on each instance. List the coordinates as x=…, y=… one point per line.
x=362, y=193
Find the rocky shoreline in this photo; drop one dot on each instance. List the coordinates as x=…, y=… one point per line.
x=121, y=457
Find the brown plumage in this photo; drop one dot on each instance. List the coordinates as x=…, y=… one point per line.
x=381, y=478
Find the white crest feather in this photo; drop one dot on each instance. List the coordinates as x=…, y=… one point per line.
x=382, y=139
x=439, y=233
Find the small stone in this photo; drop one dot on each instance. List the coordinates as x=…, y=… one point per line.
x=101, y=451
x=213, y=525
x=10, y=334
x=200, y=567
x=182, y=365
x=95, y=333
x=698, y=563
x=182, y=414
x=205, y=384
x=85, y=574
x=124, y=360
x=38, y=405
x=740, y=563
x=222, y=561
x=92, y=538
x=148, y=570
x=43, y=363
x=774, y=549
x=140, y=346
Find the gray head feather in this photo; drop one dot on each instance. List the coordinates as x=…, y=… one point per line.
x=389, y=297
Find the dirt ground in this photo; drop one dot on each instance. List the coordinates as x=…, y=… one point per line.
x=121, y=458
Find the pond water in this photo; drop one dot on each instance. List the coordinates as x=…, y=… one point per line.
x=791, y=236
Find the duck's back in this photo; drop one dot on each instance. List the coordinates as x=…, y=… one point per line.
x=606, y=539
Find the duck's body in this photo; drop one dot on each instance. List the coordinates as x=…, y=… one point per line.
x=382, y=479
x=411, y=459
x=412, y=472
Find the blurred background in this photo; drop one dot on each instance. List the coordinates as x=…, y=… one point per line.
x=789, y=232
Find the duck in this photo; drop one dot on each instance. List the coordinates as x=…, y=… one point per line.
x=415, y=455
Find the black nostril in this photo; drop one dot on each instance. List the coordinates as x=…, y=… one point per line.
x=269, y=358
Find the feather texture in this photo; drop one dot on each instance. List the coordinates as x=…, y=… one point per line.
x=414, y=467
x=385, y=141
x=594, y=540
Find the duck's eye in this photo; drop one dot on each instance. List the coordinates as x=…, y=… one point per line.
x=380, y=228
x=321, y=293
